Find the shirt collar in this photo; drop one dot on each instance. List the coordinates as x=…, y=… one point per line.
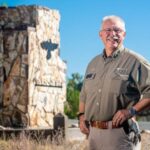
x=115, y=54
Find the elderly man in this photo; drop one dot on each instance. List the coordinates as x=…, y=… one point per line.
x=116, y=87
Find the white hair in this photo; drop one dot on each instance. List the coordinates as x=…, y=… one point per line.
x=113, y=17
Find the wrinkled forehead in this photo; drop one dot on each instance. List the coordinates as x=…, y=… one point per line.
x=112, y=23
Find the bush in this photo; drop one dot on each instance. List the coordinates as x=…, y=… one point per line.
x=73, y=90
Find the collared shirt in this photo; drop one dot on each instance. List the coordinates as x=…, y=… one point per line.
x=113, y=83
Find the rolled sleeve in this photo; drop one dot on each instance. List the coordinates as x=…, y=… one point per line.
x=144, y=79
x=83, y=94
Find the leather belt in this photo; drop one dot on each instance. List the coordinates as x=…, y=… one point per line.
x=103, y=124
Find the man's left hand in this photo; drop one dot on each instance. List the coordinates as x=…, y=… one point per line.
x=120, y=117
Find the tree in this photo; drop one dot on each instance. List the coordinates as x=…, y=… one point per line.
x=4, y=4
x=74, y=85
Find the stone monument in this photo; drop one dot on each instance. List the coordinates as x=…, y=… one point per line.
x=32, y=74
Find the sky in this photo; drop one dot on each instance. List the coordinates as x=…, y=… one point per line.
x=80, y=25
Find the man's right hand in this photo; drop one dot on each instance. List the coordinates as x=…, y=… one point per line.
x=82, y=125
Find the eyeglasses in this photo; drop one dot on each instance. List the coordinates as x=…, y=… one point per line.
x=116, y=30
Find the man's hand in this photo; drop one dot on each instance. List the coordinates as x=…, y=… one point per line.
x=83, y=128
x=121, y=116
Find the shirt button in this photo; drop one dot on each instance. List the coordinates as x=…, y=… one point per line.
x=99, y=90
x=97, y=103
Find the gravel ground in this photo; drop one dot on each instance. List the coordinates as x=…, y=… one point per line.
x=145, y=140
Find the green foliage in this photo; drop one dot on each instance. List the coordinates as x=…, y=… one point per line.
x=4, y=4
x=74, y=85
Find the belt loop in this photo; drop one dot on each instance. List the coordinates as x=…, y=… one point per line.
x=109, y=124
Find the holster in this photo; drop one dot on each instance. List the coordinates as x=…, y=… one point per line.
x=132, y=130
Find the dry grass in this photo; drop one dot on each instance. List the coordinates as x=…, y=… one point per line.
x=23, y=142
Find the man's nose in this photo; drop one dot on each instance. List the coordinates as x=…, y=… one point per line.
x=113, y=32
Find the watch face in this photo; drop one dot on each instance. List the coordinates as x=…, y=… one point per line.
x=133, y=111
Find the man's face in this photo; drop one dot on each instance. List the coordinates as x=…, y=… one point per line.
x=112, y=34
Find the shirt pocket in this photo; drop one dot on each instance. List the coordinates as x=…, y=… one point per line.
x=120, y=74
x=90, y=82
x=119, y=80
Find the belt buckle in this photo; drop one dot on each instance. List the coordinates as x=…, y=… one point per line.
x=97, y=124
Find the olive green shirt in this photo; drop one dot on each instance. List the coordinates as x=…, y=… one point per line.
x=113, y=83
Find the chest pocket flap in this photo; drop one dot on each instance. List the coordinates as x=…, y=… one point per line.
x=120, y=74
x=90, y=76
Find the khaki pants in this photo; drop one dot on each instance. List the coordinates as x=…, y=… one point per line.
x=109, y=139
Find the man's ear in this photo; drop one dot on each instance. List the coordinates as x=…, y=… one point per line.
x=100, y=34
x=124, y=34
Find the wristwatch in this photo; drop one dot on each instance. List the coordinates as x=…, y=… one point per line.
x=79, y=114
x=133, y=111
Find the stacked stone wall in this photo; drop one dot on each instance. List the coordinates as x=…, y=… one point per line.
x=32, y=74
